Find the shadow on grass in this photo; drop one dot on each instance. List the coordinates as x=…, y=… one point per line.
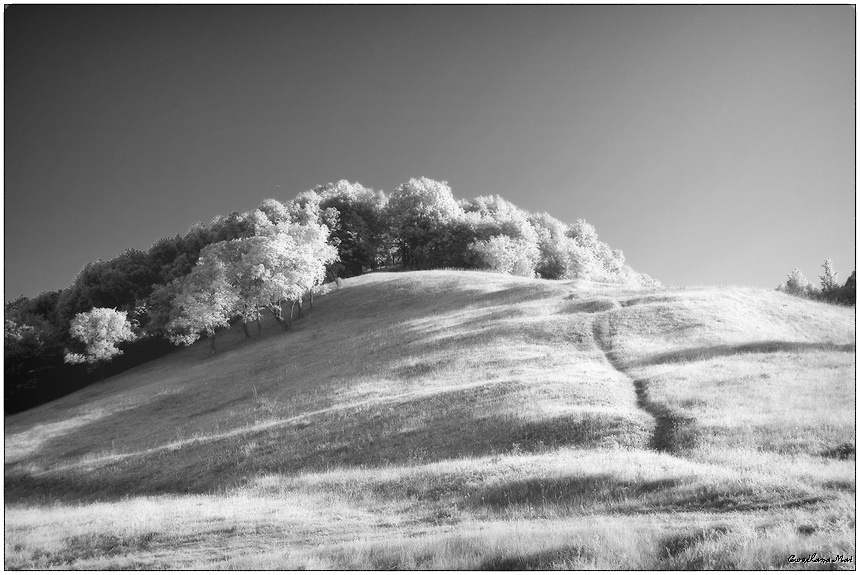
x=842, y=451
x=671, y=548
x=669, y=495
x=710, y=352
x=718, y=499
x=585, y=491
x=596, y=305
x=517, y=294
x=105, y=545
x=566, y=557
x=414, y=430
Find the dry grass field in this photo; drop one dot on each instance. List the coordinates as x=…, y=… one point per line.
x=460, y=420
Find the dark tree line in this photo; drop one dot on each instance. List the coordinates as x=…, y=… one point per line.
x=37, y=329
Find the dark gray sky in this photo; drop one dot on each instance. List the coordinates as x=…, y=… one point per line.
x=711, y=144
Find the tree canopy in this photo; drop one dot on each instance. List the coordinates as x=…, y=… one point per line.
x=100, y=330
x=236, y=266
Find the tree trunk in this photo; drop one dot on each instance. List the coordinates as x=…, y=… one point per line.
x=311, y=297
x=212, y=350
x=259, y=328
x=278, y=317
x=245, y=328
x=292, y=306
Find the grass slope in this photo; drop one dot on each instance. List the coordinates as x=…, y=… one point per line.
x=460, y=420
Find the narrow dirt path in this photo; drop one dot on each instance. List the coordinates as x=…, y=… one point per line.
x=673, y=432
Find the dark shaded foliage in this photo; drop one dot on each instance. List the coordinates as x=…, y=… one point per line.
x=847, y=295
x=115, y=283
x=359, y=232
x=136, y=282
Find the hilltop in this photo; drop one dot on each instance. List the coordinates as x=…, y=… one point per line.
x=266, y=259
x=446, y=419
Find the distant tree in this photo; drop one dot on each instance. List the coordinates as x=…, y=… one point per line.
x=829, y=284
x=592, y=258
x=553, y=262
x=796, y=284
x=99, y=330
x=848, y=292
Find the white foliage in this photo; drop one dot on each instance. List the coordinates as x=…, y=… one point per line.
x=243, y=276
x=290, y=260
x=423, y=201
x=206, y=300
x=100, y=330
x=797, y=284
x=275, y=211
x=507, y=255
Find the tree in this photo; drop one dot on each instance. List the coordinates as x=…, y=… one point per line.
x=230, y=227
x=32, y=360
x=848, y=292
x=275, y=211
x=359, y=231
x=286, y=264
x=552, y=239
x=100, y=330
x=797, y=284
x=507, y=255
x=204, y=304
x=115, y=283
x=829, y=284
x=419, y=211
x=242, y=275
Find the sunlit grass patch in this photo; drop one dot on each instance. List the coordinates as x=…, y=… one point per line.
x=781, y=401
x=141, y=530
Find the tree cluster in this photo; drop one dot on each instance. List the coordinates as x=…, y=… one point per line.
x=830, y=291
x=269, y=260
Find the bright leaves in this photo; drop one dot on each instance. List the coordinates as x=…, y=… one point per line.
x=244, y=264
x=205, y=302
x=100, y=330
x=241, y=277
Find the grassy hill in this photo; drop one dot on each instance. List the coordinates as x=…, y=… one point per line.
x=460, y=420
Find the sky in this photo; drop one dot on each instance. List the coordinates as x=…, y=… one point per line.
x=714, y=145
